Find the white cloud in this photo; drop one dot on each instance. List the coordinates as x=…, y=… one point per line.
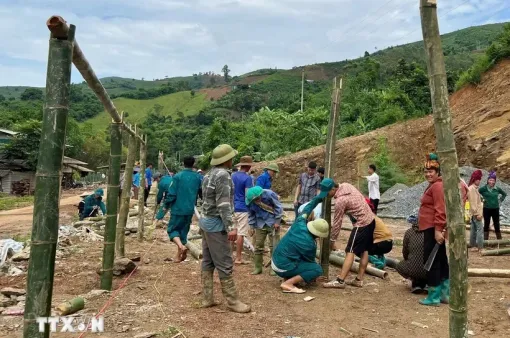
x=154, y=38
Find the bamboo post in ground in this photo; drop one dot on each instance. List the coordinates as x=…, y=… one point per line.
x=329, y=166
x=41, y=266
x=125, y=198
x=161, y=168
x=141, y=196
x=449, y=168
x=112, y=205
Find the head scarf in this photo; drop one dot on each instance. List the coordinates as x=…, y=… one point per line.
x=492, y=175
x=475, y=176
x=432, y=162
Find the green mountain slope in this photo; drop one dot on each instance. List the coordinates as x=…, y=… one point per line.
x=175, y=105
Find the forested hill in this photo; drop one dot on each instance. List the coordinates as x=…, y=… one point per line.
x=258, y=113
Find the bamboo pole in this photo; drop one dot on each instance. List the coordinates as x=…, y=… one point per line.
x=496, y=273
x=330, y=172
x=41, y=266
x=141, y=196
x=496, y=242
x=126, y=197
x=160, y=163
x=449, y=168
x=496, y=252
x=339, y=261
x=112, y=205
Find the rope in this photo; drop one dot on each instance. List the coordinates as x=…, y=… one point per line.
x=112, y=297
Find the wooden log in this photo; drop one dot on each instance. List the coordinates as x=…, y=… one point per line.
x=193, y=237
x=497, y=273
x=496, y=252
x=195, y=250
x=339, y=261
x=496, y=242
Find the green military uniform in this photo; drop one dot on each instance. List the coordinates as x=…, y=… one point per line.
x=163, y=187
x=181, y=199
x=91, y=203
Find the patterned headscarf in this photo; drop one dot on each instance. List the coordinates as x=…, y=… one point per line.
x=475, y=176
x=432, y=162
x=492, y=175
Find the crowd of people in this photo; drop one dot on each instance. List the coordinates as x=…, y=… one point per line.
x=236, y=206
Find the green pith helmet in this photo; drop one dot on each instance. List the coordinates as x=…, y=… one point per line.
x=222, y=154
x=318, y=227
x=253, y=193
x=273, y=167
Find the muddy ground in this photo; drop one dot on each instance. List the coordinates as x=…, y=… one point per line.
x=163, y=297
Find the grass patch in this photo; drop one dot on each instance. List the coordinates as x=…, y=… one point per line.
x=14, y=202
x=170, y=105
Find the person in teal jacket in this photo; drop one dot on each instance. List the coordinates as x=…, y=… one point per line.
x=294, y=257
x=163, y=187
x=181, y=199
x=491, y=202
x=92, y=203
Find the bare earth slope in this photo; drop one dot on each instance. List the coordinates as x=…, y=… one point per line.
x=481, y=124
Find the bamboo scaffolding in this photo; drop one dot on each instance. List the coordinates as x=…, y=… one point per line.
x=449, y=168
x=41, y=266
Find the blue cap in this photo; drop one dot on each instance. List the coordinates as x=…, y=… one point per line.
x=99, y=192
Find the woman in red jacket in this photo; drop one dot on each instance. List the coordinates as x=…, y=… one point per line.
x=432, y=221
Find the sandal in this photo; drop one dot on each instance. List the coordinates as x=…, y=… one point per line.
x=294, y=290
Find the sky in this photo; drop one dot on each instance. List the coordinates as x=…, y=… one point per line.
x=157, y=38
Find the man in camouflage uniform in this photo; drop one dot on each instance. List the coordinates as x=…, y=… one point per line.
x=218, y=229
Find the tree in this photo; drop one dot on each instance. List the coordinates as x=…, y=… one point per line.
x=367, y=54
x=25, y=145
x=2, y=98
x=32, y=94
x=225, y=71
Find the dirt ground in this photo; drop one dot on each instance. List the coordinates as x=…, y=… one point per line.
x=163, y=296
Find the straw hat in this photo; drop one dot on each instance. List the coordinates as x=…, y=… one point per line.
x=245, y=161
x=222, y=154
x=318, y=227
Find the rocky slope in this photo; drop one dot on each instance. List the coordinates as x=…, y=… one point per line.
x=481, y=116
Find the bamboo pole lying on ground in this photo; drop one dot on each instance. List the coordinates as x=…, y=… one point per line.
x=126, y=197
x=339, y=261
x=496, y=252
x=191, y=238
x=195, y=250
x=496, y=273
x=392, y=262
x=112, y=205
x=41, y=266
x=141, y=196
x=496, y=242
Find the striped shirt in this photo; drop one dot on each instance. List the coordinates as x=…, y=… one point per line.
x=309, y=186
x=217, y=199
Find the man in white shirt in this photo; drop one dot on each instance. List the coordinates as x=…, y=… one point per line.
x=316, y=213
x=373, y=186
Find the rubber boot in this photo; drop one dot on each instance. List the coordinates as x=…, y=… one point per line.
x=485, y=235
x=207, y=289
x=230, y=293
x=434, y=296
x=257, y=262
x=498, y=235
x=445, y=291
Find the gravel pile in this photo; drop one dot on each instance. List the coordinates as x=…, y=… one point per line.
x=404, y=201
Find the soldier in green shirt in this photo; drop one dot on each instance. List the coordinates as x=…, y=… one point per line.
x=180, y=199
x=491, y=202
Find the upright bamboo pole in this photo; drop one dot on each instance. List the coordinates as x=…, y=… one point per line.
x=141, y=196
x=329, y=166
x=160, y=162
x=303, y=88
x=41, y=266
x=112, y=205
x=126, y=197
x=449, y=169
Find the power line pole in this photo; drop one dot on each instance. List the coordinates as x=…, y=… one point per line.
x=449, y=168
x=302, y=87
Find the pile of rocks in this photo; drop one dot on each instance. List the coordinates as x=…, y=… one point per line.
x=401, y=201
x=12, y=301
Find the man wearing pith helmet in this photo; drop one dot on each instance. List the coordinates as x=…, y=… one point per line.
x=218, y=229
x=294, y=257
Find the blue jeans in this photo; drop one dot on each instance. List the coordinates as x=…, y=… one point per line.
x=476, y=233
